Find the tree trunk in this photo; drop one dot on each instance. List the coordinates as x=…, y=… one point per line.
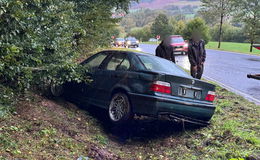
x=221, y=24
x=220, y=31
x=251, y=46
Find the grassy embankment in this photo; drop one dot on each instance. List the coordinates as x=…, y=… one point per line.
x=42, y=128
x=233, y=47
x=227, y=46
x=55, y=129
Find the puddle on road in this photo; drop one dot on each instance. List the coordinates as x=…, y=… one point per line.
x=254, y=59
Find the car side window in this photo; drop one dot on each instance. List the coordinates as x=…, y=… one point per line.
x=118, y=62
x=125, y=65
x=94, y=62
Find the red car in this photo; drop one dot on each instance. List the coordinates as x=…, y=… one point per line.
x=179, y=44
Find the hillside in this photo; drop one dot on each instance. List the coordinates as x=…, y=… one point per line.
x=161, y=4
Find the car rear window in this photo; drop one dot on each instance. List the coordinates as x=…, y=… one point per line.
x=177, y=40
x=156, y=64
x=120, y=39
x=131, y=39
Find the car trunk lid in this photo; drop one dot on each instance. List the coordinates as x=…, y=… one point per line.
x=189, y=87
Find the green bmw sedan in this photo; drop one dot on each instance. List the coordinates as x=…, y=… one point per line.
x=128, y=83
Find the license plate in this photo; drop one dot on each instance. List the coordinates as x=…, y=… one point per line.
x=189, y=93
x=178, y=49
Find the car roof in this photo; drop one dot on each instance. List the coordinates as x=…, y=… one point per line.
x=127, y=52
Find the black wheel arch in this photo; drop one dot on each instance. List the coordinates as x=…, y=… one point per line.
x=119, y=90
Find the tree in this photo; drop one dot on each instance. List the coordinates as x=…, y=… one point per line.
x=180, y=27
x=248, y=11
x=230, y=33
x=139, y=18
x=143, y=34
x=196, y=25
x=217, y=9
x=161, y=26
x=48, y=36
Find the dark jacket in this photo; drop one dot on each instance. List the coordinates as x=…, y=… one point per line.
x=165, y=51
x=196, y=52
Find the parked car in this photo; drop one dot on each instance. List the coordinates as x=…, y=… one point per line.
x=179, y=44
x=152, y=40
x=131, y=42
x=119, y=42
x=127, y=83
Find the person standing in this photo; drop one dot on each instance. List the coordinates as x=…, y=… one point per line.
x=197, y=55
x=165, y=50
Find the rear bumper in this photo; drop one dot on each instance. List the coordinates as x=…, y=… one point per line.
x=182, y=108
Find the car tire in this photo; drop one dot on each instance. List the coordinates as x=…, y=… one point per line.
x=119, y=111
x=56, y=90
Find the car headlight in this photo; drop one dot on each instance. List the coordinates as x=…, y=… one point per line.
x=186, y=45
x=137, y=41
x=128, y=42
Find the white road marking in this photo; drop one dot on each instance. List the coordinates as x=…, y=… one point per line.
x=231, y=89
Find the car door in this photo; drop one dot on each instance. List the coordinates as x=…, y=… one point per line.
x=82, y=92
x=113, y=71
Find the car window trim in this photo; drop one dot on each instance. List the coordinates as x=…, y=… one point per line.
x=91, y=57
x=110, y=57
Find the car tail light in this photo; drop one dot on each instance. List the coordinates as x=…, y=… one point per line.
x=161, y=87
x=210, y=96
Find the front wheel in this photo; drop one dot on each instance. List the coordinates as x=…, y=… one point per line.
x=119, y=109
x=56, y=90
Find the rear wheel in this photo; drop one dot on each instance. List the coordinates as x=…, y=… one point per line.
x=119, y=109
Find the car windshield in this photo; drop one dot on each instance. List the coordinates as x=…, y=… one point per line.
x=161, y=65
x=131, y=39
x=177, y=40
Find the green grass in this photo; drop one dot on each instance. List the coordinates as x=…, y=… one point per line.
x=234, y=47
x=42, y=129
x=152, y=42
x=226, y=46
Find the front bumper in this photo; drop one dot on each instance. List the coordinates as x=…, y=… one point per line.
x=180, y=49
x=132, y=44
x=174, y=107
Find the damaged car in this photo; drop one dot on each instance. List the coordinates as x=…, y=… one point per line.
x=126, y=83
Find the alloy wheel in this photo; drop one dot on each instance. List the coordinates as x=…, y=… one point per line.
x=118, y=108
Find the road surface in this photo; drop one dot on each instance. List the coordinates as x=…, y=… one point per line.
x=228, y=69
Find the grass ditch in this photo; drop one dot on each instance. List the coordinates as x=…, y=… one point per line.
x=42, y=128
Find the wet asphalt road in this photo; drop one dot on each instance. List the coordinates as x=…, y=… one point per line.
x=228, y=69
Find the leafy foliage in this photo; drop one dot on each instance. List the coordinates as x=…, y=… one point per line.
x=230, y=33
x=197, y=25
x=161, y=26
x=142, y=34
x=40, y=40
x=248, y=12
